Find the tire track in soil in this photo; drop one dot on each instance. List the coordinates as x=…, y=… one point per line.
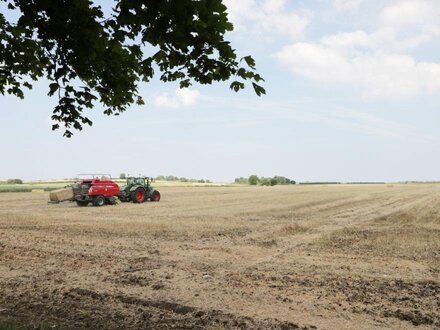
x=414, y=302
x=375, y=208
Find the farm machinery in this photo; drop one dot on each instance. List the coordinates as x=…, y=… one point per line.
x=138, y=190
x=98, y=191
x=101, y=190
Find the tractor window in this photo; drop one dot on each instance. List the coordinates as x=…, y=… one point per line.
x=130, y=181
x=140, y=181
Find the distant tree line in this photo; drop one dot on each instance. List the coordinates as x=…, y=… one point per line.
x=254, y=180
x=123, y=176
x=14, y=181
x=181, y=179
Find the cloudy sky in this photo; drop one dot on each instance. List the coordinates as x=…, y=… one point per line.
x=353, y=92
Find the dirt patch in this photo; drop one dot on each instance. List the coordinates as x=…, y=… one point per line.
x=81, y=308
x=409, y=241
x=292, y=257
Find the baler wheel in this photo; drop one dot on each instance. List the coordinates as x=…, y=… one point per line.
x=156, y=196
x=138, y=196
x=98, y=200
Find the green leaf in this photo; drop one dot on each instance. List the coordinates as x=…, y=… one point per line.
x=236, y=86
x=27, y=85
x=250, y=61
x=258, y=89
x=53, y=87
x=242, y=73
x=258, y=78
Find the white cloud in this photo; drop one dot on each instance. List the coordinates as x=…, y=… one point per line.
x=268, y=17
x=348, y=40
x=409, y=12
x=376, y=63
x=342, y=5
x=187, y=96
x=408, y=24
x=378, y=75
x=181, y=98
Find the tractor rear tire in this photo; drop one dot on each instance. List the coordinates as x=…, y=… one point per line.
x=111, y=200
x=155, y=197
x=138, y=196
x=82, y=203
x=98, y=200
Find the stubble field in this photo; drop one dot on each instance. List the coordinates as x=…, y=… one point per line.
x=287, y=257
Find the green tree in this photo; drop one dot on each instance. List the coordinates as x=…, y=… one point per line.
x=122, y=176
x=241, y=180
x=265, y=181
x=283, y=180
x=253, y=180
x=15, y=181
x=88, y=57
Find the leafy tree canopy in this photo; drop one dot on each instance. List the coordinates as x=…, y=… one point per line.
x=253, y=180
x=90, y=57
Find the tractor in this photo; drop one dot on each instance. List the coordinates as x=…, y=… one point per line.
x=97, y=190
x=138, y=190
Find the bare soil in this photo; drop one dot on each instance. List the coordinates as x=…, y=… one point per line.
x=298, y=257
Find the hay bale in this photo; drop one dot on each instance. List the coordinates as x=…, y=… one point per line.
x=61, y=195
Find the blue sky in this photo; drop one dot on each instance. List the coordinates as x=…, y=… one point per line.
x=352, y=95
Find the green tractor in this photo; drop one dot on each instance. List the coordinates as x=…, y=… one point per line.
x=138, y=190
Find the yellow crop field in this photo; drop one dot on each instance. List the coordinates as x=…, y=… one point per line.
x=283, y=257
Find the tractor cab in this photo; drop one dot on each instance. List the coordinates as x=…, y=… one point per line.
x=142, y=181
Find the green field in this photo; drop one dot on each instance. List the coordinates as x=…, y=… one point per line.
x=37, y=185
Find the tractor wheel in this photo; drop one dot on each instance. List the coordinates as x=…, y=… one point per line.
x=156, y=196
x=98, y=200
x=111, y=200
x=124, y=196
x=138, y=196
x=82, y=203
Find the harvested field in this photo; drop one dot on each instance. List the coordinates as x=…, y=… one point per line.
x=287, y=257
